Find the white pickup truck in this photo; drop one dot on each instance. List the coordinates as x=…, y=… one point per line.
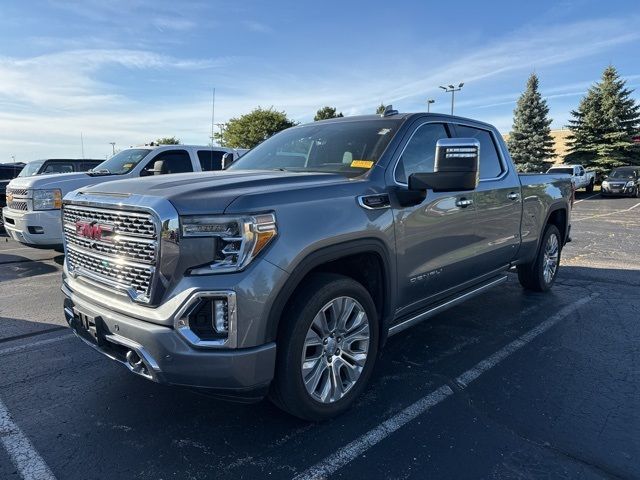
x=32, y=214
x=580, y=177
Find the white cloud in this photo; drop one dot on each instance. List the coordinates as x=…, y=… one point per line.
x=52, y=98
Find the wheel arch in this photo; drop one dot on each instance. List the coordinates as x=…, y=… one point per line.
x=340, y=258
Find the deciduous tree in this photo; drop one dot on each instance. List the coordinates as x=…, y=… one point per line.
x=247, y=131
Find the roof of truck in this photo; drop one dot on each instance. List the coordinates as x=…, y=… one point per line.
x=403, y=117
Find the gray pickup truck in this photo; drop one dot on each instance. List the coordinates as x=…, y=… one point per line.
x=285, y=273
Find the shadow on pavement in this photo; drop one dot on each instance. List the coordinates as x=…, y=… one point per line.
x=14, y=267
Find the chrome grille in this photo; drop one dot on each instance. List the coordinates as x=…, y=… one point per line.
x=136, y=249
x=18, y=192
x=18, y=205
x=125, y=223
x=137, y=278
x=122, y=252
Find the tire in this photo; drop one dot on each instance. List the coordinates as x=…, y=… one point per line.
x=532, y=275
x=589, y=188
x=319, y=398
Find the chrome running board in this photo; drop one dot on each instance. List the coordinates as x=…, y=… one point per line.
x=410, y=322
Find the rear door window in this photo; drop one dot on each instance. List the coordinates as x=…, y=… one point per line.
x=210, y=160
x=57, y=167
x=171, y=161
x=490, y=164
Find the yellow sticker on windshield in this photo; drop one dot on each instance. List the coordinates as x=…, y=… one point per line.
x=361, y=164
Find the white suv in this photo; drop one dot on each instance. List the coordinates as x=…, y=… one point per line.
x=32, y=214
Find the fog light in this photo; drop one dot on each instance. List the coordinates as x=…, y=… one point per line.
x=220, y=316
x=35, y=230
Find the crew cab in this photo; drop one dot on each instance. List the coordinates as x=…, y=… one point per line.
x=284, y=274
x=580, y=177
x=32, y=214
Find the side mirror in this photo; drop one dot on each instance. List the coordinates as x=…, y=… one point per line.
x=456, y=167
x=227, y=159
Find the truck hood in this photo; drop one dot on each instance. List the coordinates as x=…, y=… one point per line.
x=64, y=181
x=213, y=192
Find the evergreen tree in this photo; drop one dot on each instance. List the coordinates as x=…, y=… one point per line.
x=603, y=126
x=327, y=112
x=530, y=143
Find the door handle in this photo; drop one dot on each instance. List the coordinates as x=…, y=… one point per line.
x=464, y=203
x=513, y=196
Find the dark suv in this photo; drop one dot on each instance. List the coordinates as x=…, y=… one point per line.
x=622, y=181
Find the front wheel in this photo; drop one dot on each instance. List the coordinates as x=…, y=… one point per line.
x=327, y=348
x=540, y=274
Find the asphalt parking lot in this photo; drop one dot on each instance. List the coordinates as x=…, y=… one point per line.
x=509, y=385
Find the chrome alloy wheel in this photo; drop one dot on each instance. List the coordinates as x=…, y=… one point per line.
x=335, y=349
x=550, y=261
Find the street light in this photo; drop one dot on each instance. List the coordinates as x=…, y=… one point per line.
x=451, y=89
x=113, y=147
x=429, y=102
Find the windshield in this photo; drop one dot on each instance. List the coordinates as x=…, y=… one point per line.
x=124, y=161
x=31, y=168
x=630, y=174
x=568, y=171
x=347, y=148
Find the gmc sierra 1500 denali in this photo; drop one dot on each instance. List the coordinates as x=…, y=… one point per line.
x=285, y=273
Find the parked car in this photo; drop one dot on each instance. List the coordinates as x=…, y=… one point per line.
x=58, y=165
x=8, y=171
x=580, y=177
x=286, y=273
x=32, y=214
x=622, y=181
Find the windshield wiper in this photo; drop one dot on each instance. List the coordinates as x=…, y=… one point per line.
x=102, y=171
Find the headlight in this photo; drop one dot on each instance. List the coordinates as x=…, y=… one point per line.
x=47, y=199
x=629, y=184
x=237, y=239
x=605, y=183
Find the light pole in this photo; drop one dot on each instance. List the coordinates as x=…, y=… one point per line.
x=113, y=148
x=429, y=102
x=453, y=91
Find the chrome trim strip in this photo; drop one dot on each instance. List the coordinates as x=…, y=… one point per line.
x=367, y=207
x=181, y=323
x=444, y=306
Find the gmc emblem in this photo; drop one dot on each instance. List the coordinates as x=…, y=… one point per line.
x=93, y=230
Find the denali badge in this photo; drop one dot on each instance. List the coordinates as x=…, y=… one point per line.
x=93, y=230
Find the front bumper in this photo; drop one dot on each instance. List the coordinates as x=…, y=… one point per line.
x=159, y=353
x=619, y=192
x=35, y=228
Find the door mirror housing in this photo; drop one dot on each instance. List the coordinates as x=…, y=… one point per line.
x=456, y=167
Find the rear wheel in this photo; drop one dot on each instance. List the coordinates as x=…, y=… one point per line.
x=327, y=348
x=540, y=274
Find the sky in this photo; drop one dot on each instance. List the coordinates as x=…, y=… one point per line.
x=130, y=71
